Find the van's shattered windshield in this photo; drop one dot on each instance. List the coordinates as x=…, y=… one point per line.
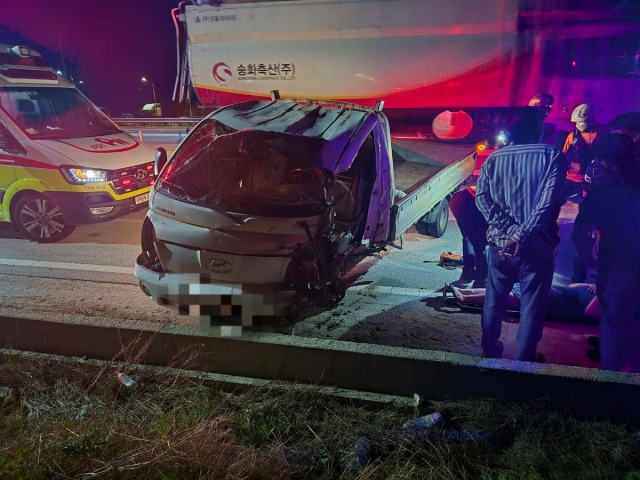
x=54, y=113
x=250, y=171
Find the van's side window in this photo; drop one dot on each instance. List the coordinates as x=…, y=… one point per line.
x=8, y=141
x=3, y=137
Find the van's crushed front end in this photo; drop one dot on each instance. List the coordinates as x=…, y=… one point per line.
x=237, y=223
x=238, y=267
x=241, y=223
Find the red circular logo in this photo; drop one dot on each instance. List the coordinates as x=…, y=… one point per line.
x=221, y=72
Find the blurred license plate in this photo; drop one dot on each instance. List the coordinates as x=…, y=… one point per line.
x=142, y=198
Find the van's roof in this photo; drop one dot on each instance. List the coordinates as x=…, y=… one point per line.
x=342, y=130
x=293, y=118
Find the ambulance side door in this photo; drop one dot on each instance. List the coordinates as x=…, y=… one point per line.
x=10, y=151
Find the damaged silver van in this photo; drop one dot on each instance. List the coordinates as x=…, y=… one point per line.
x=265, y=197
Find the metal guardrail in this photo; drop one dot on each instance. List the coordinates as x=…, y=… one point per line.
x=158, y=132
x=158, y=121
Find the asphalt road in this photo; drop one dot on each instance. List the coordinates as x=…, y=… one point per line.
x=394, y=298
x=89, y=273
x=92, y=270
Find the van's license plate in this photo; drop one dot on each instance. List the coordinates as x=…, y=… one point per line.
x=141, y=198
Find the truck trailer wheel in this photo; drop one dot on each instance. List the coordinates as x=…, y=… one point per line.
x=439, y=225
x=41, y=219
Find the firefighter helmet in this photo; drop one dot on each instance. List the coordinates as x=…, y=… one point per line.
x=582, y=113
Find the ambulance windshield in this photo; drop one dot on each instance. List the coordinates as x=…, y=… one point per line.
x=54, y=113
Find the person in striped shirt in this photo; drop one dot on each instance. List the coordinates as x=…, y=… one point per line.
x=519, y=193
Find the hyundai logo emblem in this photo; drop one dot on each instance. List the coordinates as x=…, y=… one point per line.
x=140, y=174
x=219, y=266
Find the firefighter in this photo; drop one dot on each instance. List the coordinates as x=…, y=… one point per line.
x=577, y=149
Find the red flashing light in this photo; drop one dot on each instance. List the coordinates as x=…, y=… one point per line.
x=26, y=74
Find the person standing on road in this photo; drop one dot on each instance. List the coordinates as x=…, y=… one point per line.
x=607, y=234
x=577, y=148
x=519, y=193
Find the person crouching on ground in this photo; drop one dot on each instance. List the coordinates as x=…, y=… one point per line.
x=473, y=228
x=606, y=233
x=519, y=193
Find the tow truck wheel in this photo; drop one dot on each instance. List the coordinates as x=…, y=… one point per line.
x=439, y=226
x=41, y=219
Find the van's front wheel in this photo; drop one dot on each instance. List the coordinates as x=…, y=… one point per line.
x=41, y=219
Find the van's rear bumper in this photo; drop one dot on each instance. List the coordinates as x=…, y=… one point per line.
x=78, y=206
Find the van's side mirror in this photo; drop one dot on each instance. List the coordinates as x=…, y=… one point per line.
x=160, y=161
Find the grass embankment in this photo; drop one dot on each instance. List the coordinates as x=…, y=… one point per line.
x=74, y=419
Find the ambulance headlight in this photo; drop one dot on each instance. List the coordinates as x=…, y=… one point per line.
x=81, y=176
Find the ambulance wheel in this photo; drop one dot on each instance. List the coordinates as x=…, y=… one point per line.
x=439, y=226
x=41, y=219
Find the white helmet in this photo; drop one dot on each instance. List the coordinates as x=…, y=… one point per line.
x=582, y=113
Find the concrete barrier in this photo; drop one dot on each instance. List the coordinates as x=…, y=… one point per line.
x=364, y=367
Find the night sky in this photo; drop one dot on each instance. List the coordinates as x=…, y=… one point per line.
x=108, y=45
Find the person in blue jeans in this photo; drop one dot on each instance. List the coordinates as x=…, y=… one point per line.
x=519, y=193
x=473, y=228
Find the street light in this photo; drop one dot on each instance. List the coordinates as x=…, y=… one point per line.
x=153, y=90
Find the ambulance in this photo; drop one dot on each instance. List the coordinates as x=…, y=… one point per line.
x=63, y=162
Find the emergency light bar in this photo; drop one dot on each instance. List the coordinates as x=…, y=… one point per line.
x=19, y=64
x=21, y=51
